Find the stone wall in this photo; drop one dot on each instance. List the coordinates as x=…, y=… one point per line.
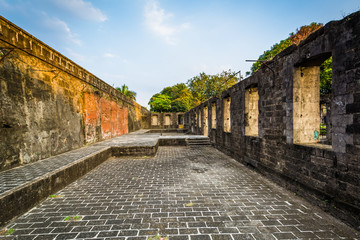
x=49, y=104
x=166, y=120
x=282, y=142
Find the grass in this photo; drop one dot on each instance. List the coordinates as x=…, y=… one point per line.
x=158, y=237
x=73, y=218
x=56, y=196
x=7, y=231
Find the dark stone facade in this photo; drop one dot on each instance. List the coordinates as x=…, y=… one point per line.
x=328, y=175
x=166, y=120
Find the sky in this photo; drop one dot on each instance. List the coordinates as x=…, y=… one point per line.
x=152, y=44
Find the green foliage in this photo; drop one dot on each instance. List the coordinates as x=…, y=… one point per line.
x=177, y=98
x=204, y=87
x=270, y=54
x=326, y=77
x=125, y=90
x=182, y=97
x=160, y=103
x=301, y=34
x=296, y=38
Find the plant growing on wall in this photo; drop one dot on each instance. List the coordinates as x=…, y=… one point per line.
x=296, y=38
x=301, y=34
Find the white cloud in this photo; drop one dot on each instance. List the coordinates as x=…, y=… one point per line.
x=82, y=9
x=157, y=19
x=61, y=28
x=109, y=55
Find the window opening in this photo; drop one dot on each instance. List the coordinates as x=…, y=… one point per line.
x=252, y=111
x=227, y=102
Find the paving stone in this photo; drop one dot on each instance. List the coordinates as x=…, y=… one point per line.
x=285, y=235
x=200, y=237
x=135, y=197
x=108, y=234
x=66, y=236
x=180, y=237
x=221, y=237
x=243, y=236
x=45, y=236
x=87, y=234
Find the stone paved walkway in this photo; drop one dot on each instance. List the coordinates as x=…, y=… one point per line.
x=182, y=193
x=19, y=176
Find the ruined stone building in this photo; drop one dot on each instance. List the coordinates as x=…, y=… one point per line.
x=269, y=121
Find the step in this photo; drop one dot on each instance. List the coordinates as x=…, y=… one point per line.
x=198, y=142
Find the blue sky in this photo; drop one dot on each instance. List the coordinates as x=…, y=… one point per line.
x=152, y=44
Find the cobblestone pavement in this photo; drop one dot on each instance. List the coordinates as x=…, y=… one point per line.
x=182, y=193
x=16, y=177
x=19, y=176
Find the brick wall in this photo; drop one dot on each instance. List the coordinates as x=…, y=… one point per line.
x=328, y=175
x=49, y=104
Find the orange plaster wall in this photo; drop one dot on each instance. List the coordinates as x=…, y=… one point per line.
x=91, y=116
x=102, y=113
x=105, y=108
x=124, y=112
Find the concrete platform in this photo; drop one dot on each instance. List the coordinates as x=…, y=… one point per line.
x=25, y=186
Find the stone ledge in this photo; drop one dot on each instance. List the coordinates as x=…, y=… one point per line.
x=20, y=199
x=135, y=150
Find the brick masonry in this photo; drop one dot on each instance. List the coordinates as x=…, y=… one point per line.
x=328, y=175
x=50, y=105
x=183, y=193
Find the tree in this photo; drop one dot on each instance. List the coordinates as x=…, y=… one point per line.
x=204, y=87
x=197, y=87
x=296, y=38
x=301, y=34
x=125, y=90
x=177, y=98
x=160, y=103
x=183, y=102
x=326, y=77
x=182, y=97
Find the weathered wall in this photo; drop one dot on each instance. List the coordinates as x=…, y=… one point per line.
x=166, y=120
x=326, y=174
x=49, y=105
